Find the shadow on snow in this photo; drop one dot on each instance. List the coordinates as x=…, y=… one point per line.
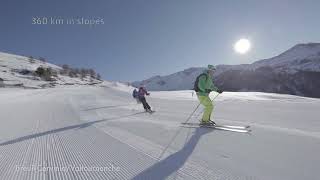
x=107, y=107
x=164, y=168
x=79, y=126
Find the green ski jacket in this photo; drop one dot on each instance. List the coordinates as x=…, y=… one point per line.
x=206, y=85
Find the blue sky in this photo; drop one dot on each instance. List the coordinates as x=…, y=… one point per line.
x=143, y=38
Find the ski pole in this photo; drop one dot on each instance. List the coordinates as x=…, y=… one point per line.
x=192, y=113
x=177, y=133
x=211, y=100
x=215, y=97
x=198, y=107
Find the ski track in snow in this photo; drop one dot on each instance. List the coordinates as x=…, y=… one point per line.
x=102, y=127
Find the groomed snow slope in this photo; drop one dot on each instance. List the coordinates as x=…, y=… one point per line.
x=71, y=132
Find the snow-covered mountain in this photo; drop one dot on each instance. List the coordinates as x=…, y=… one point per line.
x=18, y=71
x=296, y=71
x=177, y=81
x=302, y=57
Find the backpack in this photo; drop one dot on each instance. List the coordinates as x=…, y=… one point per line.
x=135, y=93
x=196, y=87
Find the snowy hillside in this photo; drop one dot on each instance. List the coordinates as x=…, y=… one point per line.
x=177, y=81
x=89, y=132
x=300, y=57
x=296, y=71
x=18, y=71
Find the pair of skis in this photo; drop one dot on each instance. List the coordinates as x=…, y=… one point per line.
x=240, y=129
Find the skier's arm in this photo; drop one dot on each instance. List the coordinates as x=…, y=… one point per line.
x=146, y=92
x=214, y=88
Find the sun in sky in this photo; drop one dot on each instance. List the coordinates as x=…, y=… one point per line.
x=242, y=46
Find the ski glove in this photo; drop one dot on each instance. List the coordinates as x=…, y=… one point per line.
x=208, y=90
x=220, y=91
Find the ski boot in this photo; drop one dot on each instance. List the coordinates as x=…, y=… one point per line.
x=149, y=111
x=207, y=123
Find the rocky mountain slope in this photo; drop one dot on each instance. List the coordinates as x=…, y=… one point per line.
x=296, y=71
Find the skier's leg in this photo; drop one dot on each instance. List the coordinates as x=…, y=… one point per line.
x=147, y=105
x=144, y=103
x=212, y=107
x=207, y=103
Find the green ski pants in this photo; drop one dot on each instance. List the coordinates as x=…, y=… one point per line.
x=208, y=107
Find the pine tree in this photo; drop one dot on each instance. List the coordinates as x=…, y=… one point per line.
x=98, y=76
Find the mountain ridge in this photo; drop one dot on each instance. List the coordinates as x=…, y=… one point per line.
x=296, y=71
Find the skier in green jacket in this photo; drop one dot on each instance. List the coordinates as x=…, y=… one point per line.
x=203, y=86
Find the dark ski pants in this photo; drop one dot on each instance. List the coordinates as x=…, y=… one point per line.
x=144, y=103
